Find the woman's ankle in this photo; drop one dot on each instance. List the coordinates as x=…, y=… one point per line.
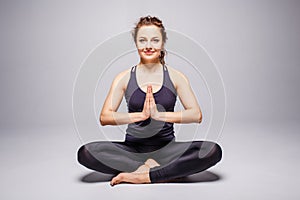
x=151, y=163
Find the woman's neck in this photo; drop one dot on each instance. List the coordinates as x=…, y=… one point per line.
x=150, y=67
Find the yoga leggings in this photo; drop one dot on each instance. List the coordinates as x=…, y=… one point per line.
x=176, y=159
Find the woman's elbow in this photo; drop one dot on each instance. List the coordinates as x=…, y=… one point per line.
x=103, y=120
x=199, y=118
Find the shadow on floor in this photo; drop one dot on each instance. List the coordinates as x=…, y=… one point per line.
x=204, y=176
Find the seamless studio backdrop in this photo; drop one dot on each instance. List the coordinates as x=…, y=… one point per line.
x=255, y=45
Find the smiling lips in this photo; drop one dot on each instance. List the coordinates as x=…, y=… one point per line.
x=148, y=52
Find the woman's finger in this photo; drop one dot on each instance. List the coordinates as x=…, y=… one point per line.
x=152, y=100
x=149, y=87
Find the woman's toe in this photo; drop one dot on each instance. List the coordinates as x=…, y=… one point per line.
x=115, y=180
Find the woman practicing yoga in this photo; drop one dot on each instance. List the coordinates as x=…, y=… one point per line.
x=149, y=153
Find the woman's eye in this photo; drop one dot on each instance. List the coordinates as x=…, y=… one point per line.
x=156, y=40
x=142, y=40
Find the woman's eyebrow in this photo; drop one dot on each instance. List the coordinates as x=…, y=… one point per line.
x=146, y=37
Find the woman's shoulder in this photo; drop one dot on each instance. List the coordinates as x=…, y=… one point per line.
x=123, y=78
x=176, y=76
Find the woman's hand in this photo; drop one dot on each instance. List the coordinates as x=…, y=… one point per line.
x=153, y=108
x=146, y=109
x=150, y=109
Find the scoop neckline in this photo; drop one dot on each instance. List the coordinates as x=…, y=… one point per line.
x=163, y=82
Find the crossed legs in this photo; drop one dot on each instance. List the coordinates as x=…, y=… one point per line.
x=179, y=159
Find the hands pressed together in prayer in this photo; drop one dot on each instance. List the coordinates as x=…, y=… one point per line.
x=150, y=108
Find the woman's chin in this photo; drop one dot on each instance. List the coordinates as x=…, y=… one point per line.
x=150, y=59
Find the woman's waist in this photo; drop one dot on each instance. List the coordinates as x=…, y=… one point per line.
x=160, y=138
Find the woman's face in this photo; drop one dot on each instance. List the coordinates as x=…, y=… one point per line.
x=149, y=43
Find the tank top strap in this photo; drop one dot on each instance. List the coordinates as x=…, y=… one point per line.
x=168, y=82
x=133, y=69
x=131, y=86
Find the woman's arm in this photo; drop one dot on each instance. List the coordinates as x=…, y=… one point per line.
x=109, y=114
x=192, y=112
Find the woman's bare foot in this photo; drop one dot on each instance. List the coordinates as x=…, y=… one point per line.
x=142, y=169
x=151, y=163
x=141, y=175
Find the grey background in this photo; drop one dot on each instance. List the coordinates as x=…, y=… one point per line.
x=255, y=44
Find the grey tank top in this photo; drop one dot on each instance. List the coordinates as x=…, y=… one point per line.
x=150, y=131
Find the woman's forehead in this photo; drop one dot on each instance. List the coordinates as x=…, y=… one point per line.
x=150, y=30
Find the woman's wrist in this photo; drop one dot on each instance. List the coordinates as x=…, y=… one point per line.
x=158, y=116
x=138, y=116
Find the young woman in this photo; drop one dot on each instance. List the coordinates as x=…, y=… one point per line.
x=149, y=153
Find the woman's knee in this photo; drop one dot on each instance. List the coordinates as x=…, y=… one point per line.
x=88, y=153
x=217, y=152
x=85, y=153
x=82, y=155
x=211, y=150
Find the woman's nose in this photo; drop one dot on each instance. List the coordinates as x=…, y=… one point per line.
x=148, y=45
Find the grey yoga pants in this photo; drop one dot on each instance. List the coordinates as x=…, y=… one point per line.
x=176, y=159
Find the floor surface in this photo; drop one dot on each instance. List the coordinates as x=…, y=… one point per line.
x=258, y=163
